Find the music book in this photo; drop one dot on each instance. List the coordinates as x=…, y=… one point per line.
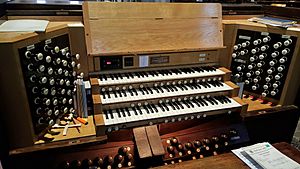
x=24, y=25
x=265, y=156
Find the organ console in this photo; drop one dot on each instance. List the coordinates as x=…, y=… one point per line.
x=156, y=96
x=40, y=69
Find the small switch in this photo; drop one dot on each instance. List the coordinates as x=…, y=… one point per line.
x=128, y=61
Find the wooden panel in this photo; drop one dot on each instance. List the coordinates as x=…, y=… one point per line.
x=18, y=121
x=97, y=104
x=77, y=45
x=155, y=141
x=84, y=131
x=227, y=73
x=49, y=18
x=236, y=88
x=151, y=27
x=241, y=102
x=152, y=10
x=229, y=34
x=235, y=17
x=95, y=85
x=229, y=160
x=292, y=83
x=141, y=141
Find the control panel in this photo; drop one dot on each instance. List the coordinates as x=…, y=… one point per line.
x=261, y=60
x=137, y=61
x=49, y=70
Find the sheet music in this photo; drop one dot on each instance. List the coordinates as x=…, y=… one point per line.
x=265, y=156
x=269, y=157
x=24, y=25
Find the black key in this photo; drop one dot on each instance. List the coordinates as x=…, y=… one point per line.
x=198, y=104
x=124, y=93
x=137, y=74
x=189, y=102
x=145, y=107
x=135, y=111
x=161, y=107
x=106, y=114
x=187, y=105
x=219, y=99
x=111, y=114
x=179, y=85
x=145, y=90
x=226, y=98
x=160, y=88
x=150, y=108
x=108, y=95
x=166, y=88
x=128, y=112
x=166, y=107
x=119, y=113
x=135, y=91
x=211, y=102
x=155, y=88
x=141, y=89
x=154, y=107
x=131, y=92
x=131, y=75
x=203, y=101
x=179, y=104
x=115, y=93
x=103, y=94
x=212, y=83
x=140, y=111
x=172, y=90
x=213, y=99
x=174, y=106
x=148, y=88
x=123, y=112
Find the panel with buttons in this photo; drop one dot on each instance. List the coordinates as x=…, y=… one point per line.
x=261, y=60
x=49, y=70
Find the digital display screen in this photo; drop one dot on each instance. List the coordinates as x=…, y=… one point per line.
x=159, y=59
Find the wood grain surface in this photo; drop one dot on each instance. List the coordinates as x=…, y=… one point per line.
x=229, y=160
x=148, y=27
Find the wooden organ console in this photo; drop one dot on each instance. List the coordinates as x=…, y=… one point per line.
x=161, y=86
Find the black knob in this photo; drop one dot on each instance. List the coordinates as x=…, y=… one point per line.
x=76, y=164
x=215, y=139
x=108, y=160
x=188, y=145
x=98, y=162
x=170, y=149
x=65, y=165
x=197, y=143
x=174, y=141
x=180, y=147
x=122, y=150
x=87, y=163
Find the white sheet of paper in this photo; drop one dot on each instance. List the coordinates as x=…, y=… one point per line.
x=144, y=61
x=265, y=156
x=24, y=25
x=270, y=158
